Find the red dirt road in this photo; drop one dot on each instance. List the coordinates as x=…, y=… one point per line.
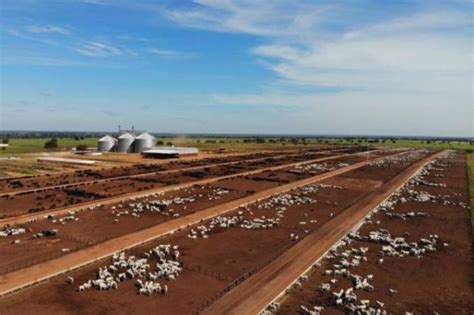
x=29, y=276
x=253, y=295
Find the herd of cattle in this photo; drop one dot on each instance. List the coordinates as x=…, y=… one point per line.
x=344, y=257
x=144, y=272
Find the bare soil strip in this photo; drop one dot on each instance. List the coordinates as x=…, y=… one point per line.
x=37, y=215
x=23, y=278
x=253, y=295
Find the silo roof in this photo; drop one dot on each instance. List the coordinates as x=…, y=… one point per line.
x=107, y=138
x=126, y=136
x=145, y=135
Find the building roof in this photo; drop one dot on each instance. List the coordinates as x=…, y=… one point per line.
x=66, y=160
x=161, y=151
x=107, y=138
x=171, y=150
x=126, y=135
x=145, y=135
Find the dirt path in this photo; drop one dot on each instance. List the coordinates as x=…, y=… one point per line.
x=186, y=169
x=253, y=295
x=38, y=215
x=20, y=279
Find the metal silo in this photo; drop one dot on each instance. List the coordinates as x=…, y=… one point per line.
x=106, y=144
x=143, y=142
x=125, y=142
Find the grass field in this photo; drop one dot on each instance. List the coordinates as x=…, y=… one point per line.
x=34, y=145
x=455, y=145
x=417, y=144
x=229, y=144
x=232, y=144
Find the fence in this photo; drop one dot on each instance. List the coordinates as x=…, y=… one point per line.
x=207, y=272
x=83, y=243
x=241, y=279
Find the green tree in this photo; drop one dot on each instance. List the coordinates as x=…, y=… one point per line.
x=5, y=141
x=81, y=147
x=51, y=144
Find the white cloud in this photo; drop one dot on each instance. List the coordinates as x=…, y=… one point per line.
x=165, y=52
x=417, y=64
x=419, y=22
x=405, y=54
x=256, y=17
x=98, y=49
x=344, y=67
x=412, y=63
x=45, y=29
x=358, y=112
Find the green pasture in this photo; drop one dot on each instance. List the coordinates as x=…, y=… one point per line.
x=232, y=144
x=35, y=145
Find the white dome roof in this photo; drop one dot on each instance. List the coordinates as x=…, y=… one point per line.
x=145, y=135
x=126, y=136
x=107, y=138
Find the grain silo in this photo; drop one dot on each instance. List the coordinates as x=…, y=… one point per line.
x=125, y=142
x=143, y=142
x=106, y=144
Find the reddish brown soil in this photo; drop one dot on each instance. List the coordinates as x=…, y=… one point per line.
x=246, y=184
x=45, y=200
x=98, y=225
x=30, y=203
x=226, y=254
x=7, y=185
x=31, y=251
x=42, y=181
x=292, y=174
x=438, y=282
x=259, y=290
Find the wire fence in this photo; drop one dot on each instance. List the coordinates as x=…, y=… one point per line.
x=31, y=261
x=237, y=281
x=56, y=253
x=208, y=272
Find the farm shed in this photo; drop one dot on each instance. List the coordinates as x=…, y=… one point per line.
x=169, y=152
x=65, y=160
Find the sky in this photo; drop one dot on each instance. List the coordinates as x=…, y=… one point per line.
x=348, y=67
